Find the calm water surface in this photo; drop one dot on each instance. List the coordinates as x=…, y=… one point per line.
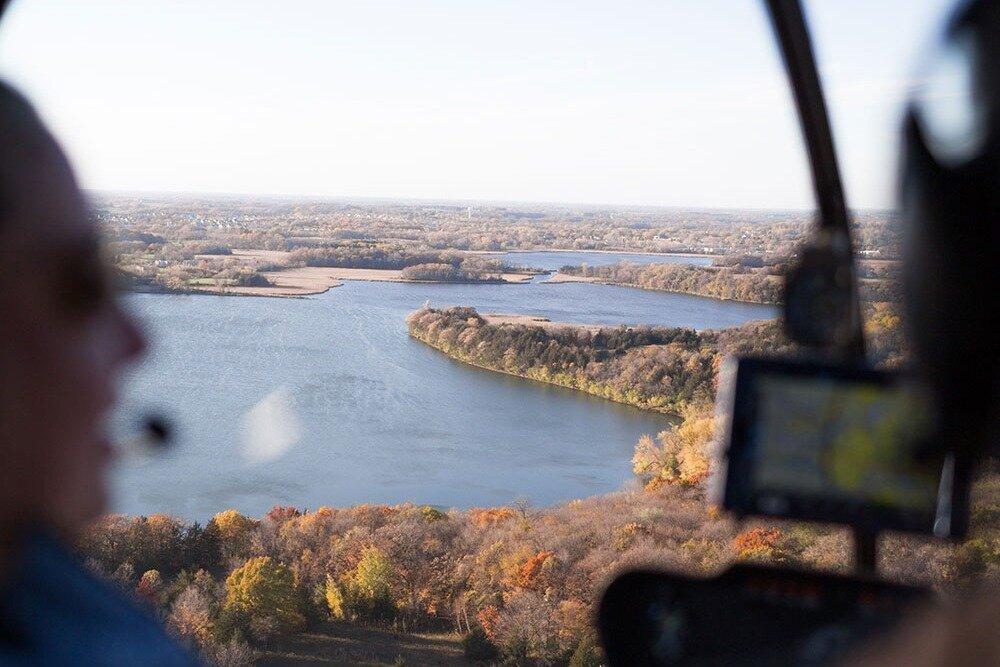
x=554, y=260
x=352, y=410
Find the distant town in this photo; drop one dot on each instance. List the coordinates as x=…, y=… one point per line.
x=276, y=247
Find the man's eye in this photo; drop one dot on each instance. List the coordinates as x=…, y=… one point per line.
x=84, y=287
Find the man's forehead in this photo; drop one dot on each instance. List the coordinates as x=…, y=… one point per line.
x=45, y=228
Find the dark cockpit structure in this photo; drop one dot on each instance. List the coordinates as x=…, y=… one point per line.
x=825, y=437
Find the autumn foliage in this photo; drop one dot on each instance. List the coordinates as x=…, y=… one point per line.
x=759, y=544
x=679, y=455
x=261, y=597
x=482, y=518
x=527, y=573
x=519, y=583
x=150, y=587
x=487, y=618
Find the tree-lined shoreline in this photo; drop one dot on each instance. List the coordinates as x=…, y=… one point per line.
x=747, y=285
x=659, y=369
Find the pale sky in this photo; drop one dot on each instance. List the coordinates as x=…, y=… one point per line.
x=666, y=102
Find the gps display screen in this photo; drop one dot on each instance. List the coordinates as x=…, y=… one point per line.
x=840, y=439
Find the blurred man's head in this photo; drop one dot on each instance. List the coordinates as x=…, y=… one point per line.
x=63, y=336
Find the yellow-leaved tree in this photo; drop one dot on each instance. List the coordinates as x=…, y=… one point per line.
x=680, y=455
x=372, y=584
x=234, y=530
x=368, y=591
x=261, y=598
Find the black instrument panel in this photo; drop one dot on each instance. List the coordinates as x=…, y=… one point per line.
x=748, y=615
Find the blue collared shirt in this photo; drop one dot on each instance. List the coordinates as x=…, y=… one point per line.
x=53, y=611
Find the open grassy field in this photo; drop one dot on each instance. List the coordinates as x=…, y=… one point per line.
x=345, y=644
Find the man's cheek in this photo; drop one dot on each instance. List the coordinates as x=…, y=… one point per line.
x=85, y=368
x=76, y=489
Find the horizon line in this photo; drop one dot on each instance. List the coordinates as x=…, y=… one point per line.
x=462, y=201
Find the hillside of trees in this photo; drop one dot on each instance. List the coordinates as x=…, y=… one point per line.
x=517, y=584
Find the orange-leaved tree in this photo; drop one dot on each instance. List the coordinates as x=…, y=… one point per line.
x=760, y=544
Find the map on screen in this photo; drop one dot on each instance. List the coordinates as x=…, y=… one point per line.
x=845, y=441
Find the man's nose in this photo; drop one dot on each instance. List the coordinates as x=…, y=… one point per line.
x=132, y=336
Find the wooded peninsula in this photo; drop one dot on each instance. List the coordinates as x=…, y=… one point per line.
x=662, y=369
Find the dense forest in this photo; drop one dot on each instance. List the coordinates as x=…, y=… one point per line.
x=517, y=584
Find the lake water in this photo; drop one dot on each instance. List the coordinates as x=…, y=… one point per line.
x=327, y=401
x=553, y=261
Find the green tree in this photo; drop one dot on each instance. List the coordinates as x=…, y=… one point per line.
x=370, y=587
